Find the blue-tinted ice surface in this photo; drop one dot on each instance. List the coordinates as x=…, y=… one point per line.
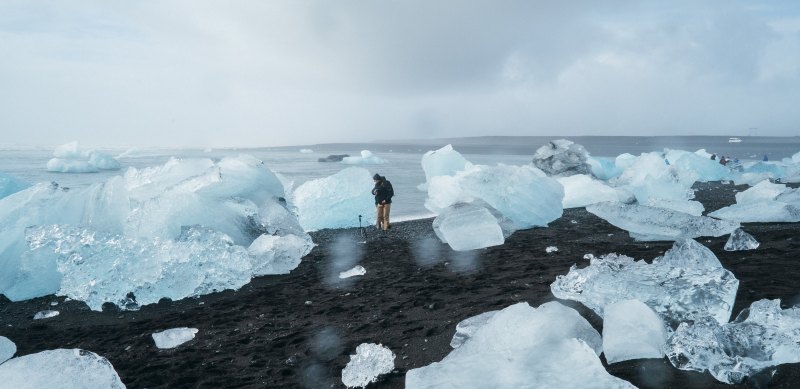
x=688, y=282
x=60, y=368
x=10, y=185
x=337, y=200
x=186, y=228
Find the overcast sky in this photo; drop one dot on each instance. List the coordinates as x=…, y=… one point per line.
x=267, y=73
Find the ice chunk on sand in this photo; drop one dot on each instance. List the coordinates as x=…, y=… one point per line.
x=103, y=161
x=10, y=185
x=650, y=223
x=7, y=349
x=366, y=158
x=370, y=361
x=275, y=254
x=173, y=337
x=45, y=314
x=760, y=337
x=604, y=168
x=687, y=282
x=443, y=162
x=740, y=240
x=61, y=368
x=631, y=330
x=759, y=212
x=467, y=327
x=336, y=201
x=694, y=208
x=551, y=346
x=763, y=191
x=358, y=270
x=468, y=227
x=562, y=157
x=523, y=194
x=581, y=190
x=58, y=165
x=551, y=249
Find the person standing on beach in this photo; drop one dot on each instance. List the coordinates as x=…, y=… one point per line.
x=383, y=192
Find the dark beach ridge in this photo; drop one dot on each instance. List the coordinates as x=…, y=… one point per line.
x=298, y=330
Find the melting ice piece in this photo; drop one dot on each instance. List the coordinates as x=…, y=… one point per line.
x=366, y=158
x=687, y=282
x=59, y=165
x=62, y=368
x=631, y=330
x=551, y=249
x=103, y=161
x=443, y=162
x=358, y=270
x=763, y=191
x=760, y=337
x=69, y=150
x=370, y=361
x=468, y=227
x=562, y=157
x=552, y=346
x=650, y=223
x=581, y=190
x=7, y=349
x=10, y=185
x=173, y=337
x=336, y=201
x=759, y=212
x=467, y=327
x=275, y=254
x=45, y=314
x=740, y=240
x=694, y=208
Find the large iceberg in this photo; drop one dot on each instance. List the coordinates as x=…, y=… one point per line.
x=10, y=185
x=562, y=157
x=61, y=368
x=369, y=362
x=68, y=158
x=762, y=336
x=366, y=158
x=336, y=201
x=468, y=227
x=520, y=346
x=631, y=330
x=173, y=231
x=686, y=283
x=58, y=165
x=443, y=162
x=646, y=223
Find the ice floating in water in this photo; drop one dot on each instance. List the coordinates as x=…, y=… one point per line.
x=467, y=327
x=366, y=158
x=61, y=368
x=581, y=190
x=358, y=270
x=58, y=165
x=759, y=212
x=740, y=240
x=70, y=159
x=443, y=162
x=760, y=337
x=7, y=349
x=336, y=201
x=468, y=227
x=173, y=231
x=173, y=337
x=686, y=283
x=650, y=223
x=306, y=151
x=562, y=157
x=551, y=346
x=10, y=185
x=45, y=314
x=370, y=361
x=103, y=161
x=69, y=150
x=631, y=330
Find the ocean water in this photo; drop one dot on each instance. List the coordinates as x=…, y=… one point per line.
x=403, y=158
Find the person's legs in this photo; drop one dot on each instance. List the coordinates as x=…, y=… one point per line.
x=379, y=218
x=386, y=209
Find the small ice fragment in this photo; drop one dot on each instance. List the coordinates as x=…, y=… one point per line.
x=467, y=327
x=551, y=249
x=61, y=368
x=631, y=330
x=370, y=361
x=173, y=337
x=740, y=240
x=358, y=270
x=573, y=221
x=53, y=303
x=366, y=158
x=45, y=314
x=306, y=151
x=7, y=349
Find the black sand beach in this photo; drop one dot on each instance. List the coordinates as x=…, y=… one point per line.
x=297, y=330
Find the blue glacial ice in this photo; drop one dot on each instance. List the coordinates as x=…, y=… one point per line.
x=366, y=158
x=69, y=158
x=581, y=190
x=173, y=337
x=60, y=368
x=686, y=283
x=764, y=202
x=443, y=162
x=467, y=327
x=645, y=223
x=7, y=349
x=551, y=346
x=367, y=364
x=10, y=185
x=186, y=228
x=562, y=157
x=59, y=165
x=631, y=330
x=762, y=336
x=468, y=227
x=336, y=201
x=740, y=240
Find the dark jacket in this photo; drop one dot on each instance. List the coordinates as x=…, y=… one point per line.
x=383, y=191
